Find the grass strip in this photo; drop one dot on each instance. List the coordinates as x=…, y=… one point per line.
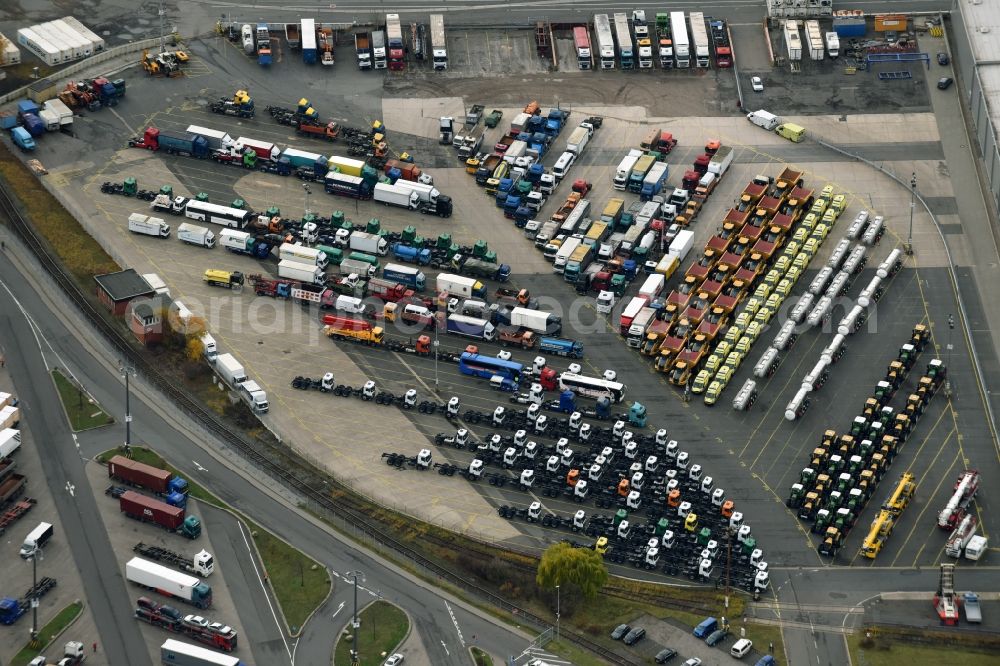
x=80, y=253
x=48, y=633
x=382, y=628
x=83, y=413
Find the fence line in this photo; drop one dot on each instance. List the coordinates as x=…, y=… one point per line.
x=80, y=65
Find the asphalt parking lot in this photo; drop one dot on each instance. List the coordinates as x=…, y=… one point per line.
x=125, y=533
x=755, y=456
x=56, y=561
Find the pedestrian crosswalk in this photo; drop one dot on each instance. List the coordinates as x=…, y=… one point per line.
x=528, y=657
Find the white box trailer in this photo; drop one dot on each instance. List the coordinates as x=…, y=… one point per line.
x=304, y=255
x=10, y=441
x=195, y=235
x=815, y=37
x=681, y=245
x=49, y=54
x=10, y=55
x=80, y=47
x=296, y=270
x=59, y=107
x=10, y=417
x=150, y=226
x=168, y=581
x=56, y=39
x=157, y=284
x=439, y=47
x=216, y=138
x=230, y=370
x=86, y=45
x=96, y=41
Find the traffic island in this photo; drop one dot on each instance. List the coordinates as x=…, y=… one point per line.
x=480, y=657
x=49, y=633
x=299, y=583
x=81, y=410
x=383, y=627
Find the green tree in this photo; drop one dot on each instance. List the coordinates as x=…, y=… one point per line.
x=580, y=568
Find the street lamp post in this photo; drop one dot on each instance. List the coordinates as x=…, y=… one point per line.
x=126, y=372
x=355, y=659
x=558, y=597
x=305, y=188
x=35, y=556
x=913, y=204
x=947, y=381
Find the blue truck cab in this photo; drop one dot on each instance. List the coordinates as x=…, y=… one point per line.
x=561, y=347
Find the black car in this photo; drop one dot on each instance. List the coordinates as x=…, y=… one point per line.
x=664, y=655
x=634, y=636
x=620, y=631
x=942, y=58
x=945, y=83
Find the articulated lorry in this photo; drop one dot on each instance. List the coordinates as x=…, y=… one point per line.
x=168, y=582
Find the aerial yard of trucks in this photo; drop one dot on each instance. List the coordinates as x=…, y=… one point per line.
x=691, y=313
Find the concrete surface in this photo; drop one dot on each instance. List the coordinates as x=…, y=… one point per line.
x=125, y=533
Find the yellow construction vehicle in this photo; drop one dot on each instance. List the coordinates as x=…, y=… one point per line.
x=879, y=532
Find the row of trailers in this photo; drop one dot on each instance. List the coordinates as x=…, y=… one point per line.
x=673, y=40
x=59, y=41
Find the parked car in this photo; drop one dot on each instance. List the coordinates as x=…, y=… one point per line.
x=634, y=636
x=620, y=632
x=715, y=637
x=693, y=661
x=219, y=628
x=945, y=83
x=757, y=84
x=766, y=660
x=942, y=58
x=665, y=655
x=394, y=660
x=196, y=621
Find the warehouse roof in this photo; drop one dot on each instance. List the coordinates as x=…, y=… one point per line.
x=123, y=285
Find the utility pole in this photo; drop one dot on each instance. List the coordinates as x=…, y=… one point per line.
x=558, y=596
x=355, y=658
x=729, y=561
x=161, y=12
x=947, y=381
x=127, y=371
x=35, y=556
x=913, y=204
x=305, y=188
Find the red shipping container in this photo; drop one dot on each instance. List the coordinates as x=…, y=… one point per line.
x=148, y=509
x=139, y=474
x=346, y=323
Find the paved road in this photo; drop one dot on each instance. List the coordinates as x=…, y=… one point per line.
x=79, y=520
x=445, y=623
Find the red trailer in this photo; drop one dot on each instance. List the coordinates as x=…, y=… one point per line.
x=346, y=323
x=148, y=509
x=139, y=474
x=388, y=290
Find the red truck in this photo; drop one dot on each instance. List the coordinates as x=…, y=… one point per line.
x=409, y=170
x=503, y=144
x=330, y=131
x=388, y=291
x=141, y=475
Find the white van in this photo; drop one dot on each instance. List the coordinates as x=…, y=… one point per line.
x=764, y=119
x=349, y=304
x=563, y=165
x=741, y=648
x=36, y=539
